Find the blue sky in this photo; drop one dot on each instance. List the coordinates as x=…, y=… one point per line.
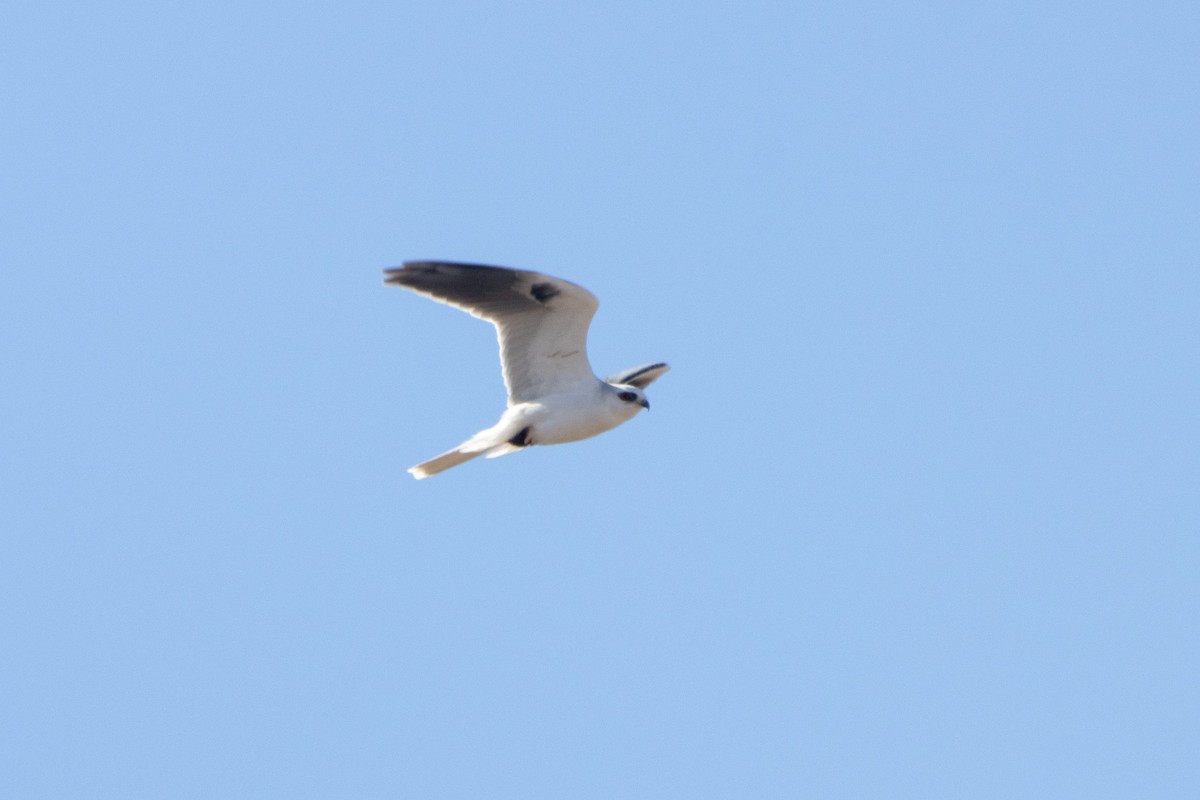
x=916, y=511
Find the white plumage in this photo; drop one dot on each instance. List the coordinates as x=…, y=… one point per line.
x=542, y=324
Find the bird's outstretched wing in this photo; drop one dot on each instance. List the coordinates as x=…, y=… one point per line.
x=641, y=377
x=542, y=322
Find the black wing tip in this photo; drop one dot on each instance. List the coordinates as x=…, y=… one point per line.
x=433, y=264
x=640, y=377
x=396, y=275
x=645, y=369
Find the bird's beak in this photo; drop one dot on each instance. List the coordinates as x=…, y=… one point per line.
x=645, y=404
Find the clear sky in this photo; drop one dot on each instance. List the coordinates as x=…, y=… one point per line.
x=916, y=512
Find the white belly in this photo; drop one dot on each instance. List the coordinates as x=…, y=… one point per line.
x=571, y=417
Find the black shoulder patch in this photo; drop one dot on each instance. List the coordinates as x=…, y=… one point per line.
x=542, y=292
x=522, y=439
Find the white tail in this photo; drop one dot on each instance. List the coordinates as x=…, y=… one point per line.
x=492, y=442
x=443, y=462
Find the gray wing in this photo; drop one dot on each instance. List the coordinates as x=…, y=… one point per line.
x=641, y=377
x=542, y=322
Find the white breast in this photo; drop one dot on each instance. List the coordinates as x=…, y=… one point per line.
x=571, y=417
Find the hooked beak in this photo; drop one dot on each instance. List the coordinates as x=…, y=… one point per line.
x=645, y=404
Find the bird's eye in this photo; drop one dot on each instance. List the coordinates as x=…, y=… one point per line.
x=628, y=397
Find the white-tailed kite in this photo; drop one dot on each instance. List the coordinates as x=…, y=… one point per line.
x=542, y=323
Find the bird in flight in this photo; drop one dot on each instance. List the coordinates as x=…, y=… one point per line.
x=542, y=323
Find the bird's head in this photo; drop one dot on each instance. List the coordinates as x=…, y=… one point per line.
x=630, y=396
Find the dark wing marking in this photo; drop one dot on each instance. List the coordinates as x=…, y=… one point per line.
x=542, y=322
x=641, y=377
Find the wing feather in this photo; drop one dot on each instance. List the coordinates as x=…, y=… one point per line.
x=641, y=377
x=541, y=321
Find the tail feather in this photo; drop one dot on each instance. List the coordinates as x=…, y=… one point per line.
x=492, y=443
x=500, y=450
x=443, y=462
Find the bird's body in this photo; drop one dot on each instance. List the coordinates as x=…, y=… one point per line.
x=542, y=322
